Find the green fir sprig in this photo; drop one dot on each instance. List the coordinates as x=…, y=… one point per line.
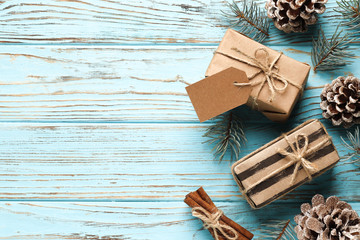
x=353, y=144
x=227, y=135
x=333, y=53
x=249, y=19
x=277, y=229
x=350, y=10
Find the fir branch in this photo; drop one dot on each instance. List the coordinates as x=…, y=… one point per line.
x=330, y=54
x=250, y=19
x=350, y=10
x=227, y=134
x=277, y=229
x=353, y=144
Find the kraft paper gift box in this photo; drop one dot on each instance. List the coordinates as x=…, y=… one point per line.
x=285, y=163
x=295, y=72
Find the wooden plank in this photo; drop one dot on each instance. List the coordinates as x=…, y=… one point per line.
x=119, y=22
x=127, y=220
x=132, y=162
x=117, y=84
x=101, y=142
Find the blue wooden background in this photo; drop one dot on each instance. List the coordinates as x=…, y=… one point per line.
x=98, y=139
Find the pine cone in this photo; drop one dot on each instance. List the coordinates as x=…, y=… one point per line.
x=327, y=220
x=294, y=15
x=339, y=101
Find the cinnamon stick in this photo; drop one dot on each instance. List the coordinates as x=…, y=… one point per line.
x=204, y=195
x=201, y=199
x=211, y=208
x=199, y=202
x=227, y=220
x=191, y=203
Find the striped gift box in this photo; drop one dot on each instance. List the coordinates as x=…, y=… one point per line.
x=285, y=163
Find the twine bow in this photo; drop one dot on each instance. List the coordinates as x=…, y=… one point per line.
x=298, y=155
x=268, y=69
x=213, y=221
x=270, y=72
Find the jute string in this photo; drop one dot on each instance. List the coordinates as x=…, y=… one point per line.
x=298, y=157
x=269, y=70
x=213, y=221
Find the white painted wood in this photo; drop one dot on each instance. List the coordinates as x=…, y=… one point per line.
x=133, y=162
x=118, y=84
x=126, y=220
x=132, y=22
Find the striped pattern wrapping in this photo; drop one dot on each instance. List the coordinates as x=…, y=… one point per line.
x=249, y=170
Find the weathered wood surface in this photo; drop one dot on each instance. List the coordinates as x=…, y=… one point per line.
x=120, y=221
x=117, y=84
x=133, y=162
x=98, y=139
x=131, y=22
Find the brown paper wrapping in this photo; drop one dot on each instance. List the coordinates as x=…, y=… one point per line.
x=217, y=94
x=280, y=108
x=249, y=170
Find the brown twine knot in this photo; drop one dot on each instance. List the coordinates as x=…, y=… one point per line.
x=213, y=221
x=298, y=155
x=269, y=70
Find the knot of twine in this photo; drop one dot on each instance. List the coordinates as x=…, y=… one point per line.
x=213, y=221
x=268, y=69
x=298, y=155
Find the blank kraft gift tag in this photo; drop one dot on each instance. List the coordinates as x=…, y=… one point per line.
x=217, y=94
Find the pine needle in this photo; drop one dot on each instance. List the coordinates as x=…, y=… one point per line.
x=277, y=229
x=227, y=135
x=333, y=53
x=353, y=144
x=249, y=19
x=350, y=10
